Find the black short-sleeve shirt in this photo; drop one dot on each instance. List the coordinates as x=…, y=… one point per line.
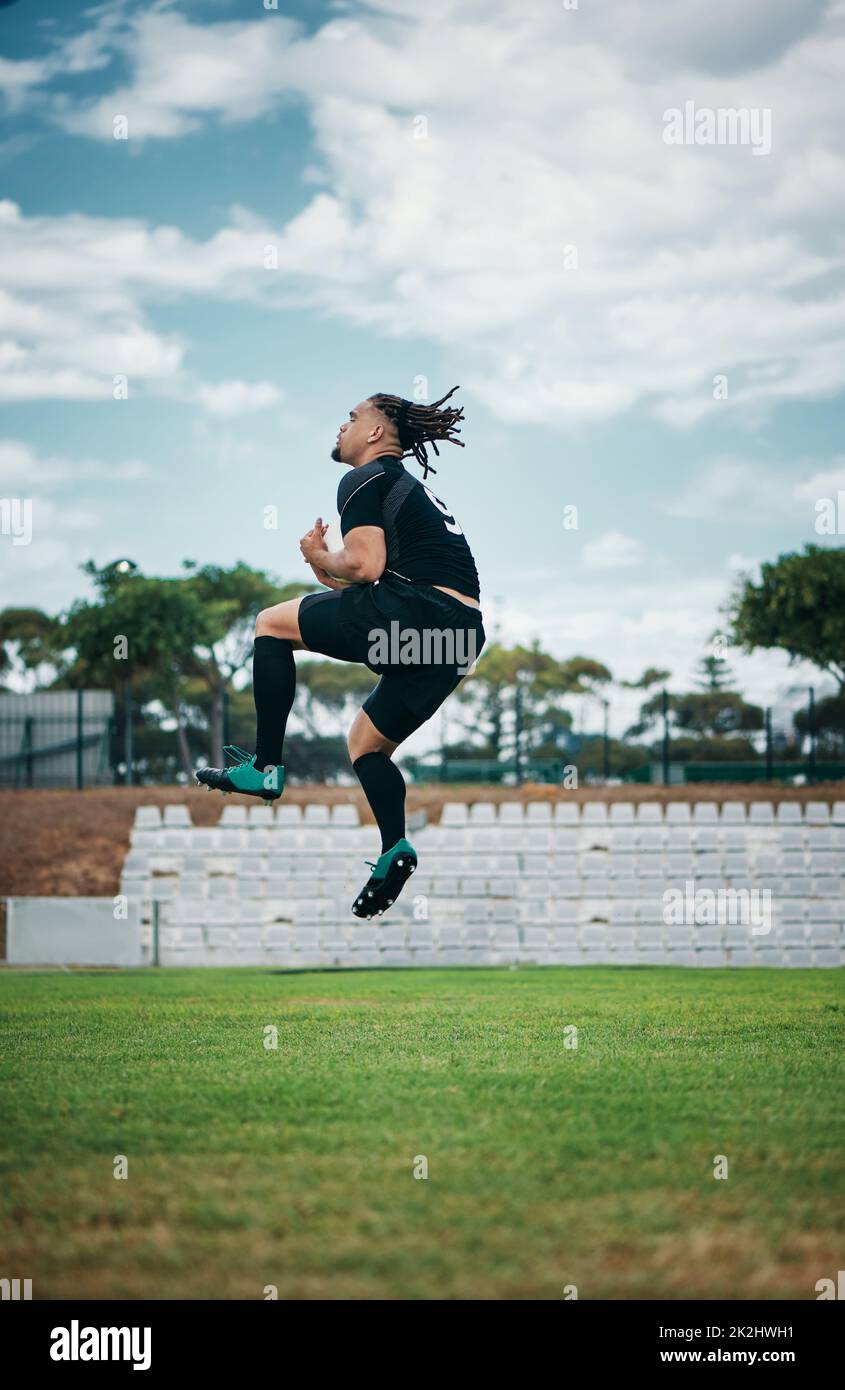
x=424, y=541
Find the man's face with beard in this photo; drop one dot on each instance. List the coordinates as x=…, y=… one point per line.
x=354, y=435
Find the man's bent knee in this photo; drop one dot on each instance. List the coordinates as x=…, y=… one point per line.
x=264, y=626
x=364, y=737
x=282, y=620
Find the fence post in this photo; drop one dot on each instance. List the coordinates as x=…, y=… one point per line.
x=665, y=707
x=112, y=747
x=769, y=772
x=812, y=714
x=606, y=748
x=27, y=745
x=225, y=717
x=518, y=733
x=127, y=733
x=79, y=729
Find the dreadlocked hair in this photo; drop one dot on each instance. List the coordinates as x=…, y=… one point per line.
x=418, y=425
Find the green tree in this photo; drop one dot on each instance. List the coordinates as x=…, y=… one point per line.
x=652, y=675
x=485, y=691
x=581, y=675
x=180, y=641
x=706, y=714
x=702, y=748
x=230, y=600
x=532, y=686
x=140, y=630
x=829, y=722
x=623, y=757
x=798, y=606
x=714, y=673
x=30, y=636
x=332, y=687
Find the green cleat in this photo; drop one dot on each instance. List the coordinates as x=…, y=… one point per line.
x=243, y=776
x=390, y=873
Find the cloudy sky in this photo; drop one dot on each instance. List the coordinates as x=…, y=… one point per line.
x=259, y=215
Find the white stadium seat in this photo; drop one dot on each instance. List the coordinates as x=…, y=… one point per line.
x=651, y=839
x=827, y=957
x=792, y=837
x=623, y=839
x=622, y=865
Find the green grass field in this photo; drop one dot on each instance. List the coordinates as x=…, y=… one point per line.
x=548, y=1166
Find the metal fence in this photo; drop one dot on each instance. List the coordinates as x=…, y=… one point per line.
x=89, y=738
x=56, y=739
x=505, y=770
x=677, y=774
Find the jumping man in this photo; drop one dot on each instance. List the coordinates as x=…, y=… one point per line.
x=405, y=571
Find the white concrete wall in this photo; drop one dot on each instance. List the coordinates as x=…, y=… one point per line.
x=71, y=931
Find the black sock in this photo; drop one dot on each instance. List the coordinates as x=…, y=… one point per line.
x=384, y=788
x=273, y=689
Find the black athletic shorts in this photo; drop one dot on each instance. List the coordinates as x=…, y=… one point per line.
x=420, y=641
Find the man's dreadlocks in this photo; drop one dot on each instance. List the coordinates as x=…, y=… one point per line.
x=418, y=425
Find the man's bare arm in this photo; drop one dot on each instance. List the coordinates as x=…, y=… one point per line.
x=330, y=580
x=316, y=534
x=361, y=559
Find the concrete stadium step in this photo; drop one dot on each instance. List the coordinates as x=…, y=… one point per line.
x=559, y=814
x=421, y=945
x=549, y=881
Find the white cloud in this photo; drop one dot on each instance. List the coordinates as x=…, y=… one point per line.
x=729, y=489
x=612, y=551
x=63, y=528
x=36, y=573
x=230, y=398
x=738, y=565
x=184, y=72
x=73, y=300
x=824, y=484
x=736, y=489
x=21, y=466
x=22, y=79
x=19, y=79
x=542, y=134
